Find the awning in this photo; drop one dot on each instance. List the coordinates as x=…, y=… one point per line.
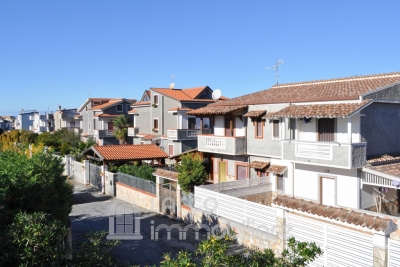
x=215, y=110
x=343, y=110
x=278, y=169
x=255, y=113
x=259, y=165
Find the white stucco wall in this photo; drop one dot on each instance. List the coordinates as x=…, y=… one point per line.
x=219, y=128
x=307, y=184
x=239, y=127
x=308, y=131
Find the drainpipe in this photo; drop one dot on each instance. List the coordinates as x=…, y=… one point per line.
x=292, y=179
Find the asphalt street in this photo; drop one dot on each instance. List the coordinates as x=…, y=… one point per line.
x=91, y=211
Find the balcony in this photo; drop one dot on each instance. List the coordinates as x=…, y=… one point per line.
x=341, y=155
x=228, y=145
x=133, y=131
x=185, y=134
x=99, y=134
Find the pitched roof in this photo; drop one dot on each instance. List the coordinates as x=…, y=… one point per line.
x=127, y=152
x=259, y=165
x=107, y=115
x=216, y=110
x=194, y=150
x=112, y=102
x=389, y=169
x=195, y=91
x=278, y=169
x=141, y=103
x=179, y=109
x=171, y=175
x=363, y=220
x=255, y=113
x=321, y=90
x=320, y=110
x=188, y=94
x=384, y=159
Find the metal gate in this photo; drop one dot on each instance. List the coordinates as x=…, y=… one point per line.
x=307, y=230
x=349, y=248
x=168, y=199
x=95, y=176
x=394, y=253
x=341, y=247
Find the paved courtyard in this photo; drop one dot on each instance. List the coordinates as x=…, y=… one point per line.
x=90, y=212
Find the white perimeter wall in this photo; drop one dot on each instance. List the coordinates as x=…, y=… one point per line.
x=307, y=184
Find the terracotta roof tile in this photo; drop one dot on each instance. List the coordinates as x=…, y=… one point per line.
x=278, y=169
x=320, y=110
x=132, y=111
x=255, y=113
x=352, y=217
x=323, y=90
x=107, y=115
x=259, y=165
x=166, y=174
x=141, y=103
x=216, y=110
x=179, y=109
x=195, y=91
x=129, y=152
x=390, y=169
x=384, y=159
x=111, y=102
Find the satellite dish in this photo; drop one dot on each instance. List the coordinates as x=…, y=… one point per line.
x=216, y=94
x=171, y=86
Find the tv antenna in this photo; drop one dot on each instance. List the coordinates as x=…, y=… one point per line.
x=172, y=84
x=278, y=63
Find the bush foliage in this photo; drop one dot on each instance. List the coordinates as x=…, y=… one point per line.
x=142, y=171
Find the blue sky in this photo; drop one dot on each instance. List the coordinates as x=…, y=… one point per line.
x=56, y=52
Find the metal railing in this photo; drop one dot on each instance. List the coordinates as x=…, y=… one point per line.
x=136, y=182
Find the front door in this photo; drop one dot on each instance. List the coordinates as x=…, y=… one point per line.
x=328, y=191
x=110, y=126
x=222, y=171
x=241, y=172
x=326, y=130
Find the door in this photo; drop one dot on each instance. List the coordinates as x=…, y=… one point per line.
x=241, y=172
x=171, y=150
x=191, y=123
x=222, y=171
x=228, y=126
x=328, y=191
x=110, y=125
x=326, y=130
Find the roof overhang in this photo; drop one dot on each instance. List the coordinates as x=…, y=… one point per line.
x=216, y=110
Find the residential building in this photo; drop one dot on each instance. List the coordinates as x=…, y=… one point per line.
x=25, y=120
x=160, y=117
x=42, y=122
x=67, y=119
x=7, y=123
x=97, y=114
x=313, y=140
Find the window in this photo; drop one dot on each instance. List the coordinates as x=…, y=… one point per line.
x=275, y=129
x=128, y=107
x=89, y=126
x=229, y=126
x=155, y=124
x=171, y=149
x=119, y=108
x=191, y=123
x=155, y=100
x=258, y=123
x=279, y=182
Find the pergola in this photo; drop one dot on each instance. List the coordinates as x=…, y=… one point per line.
x=124, y=153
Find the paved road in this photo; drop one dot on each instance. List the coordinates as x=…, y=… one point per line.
x=90, y=212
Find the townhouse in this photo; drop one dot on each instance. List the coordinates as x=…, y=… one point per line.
x=161, y=118
x=96, y=118
x=334, y=142
x=66, y=119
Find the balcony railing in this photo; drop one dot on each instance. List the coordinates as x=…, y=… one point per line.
x=103, y=133
x=186, y=134
x=133, y=131
x=222, y=144
x=343, y=155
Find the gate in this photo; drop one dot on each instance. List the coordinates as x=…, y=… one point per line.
x=168, y=199
x=341, y=247
x=94, y=176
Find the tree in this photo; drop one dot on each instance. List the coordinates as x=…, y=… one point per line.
x=191, y=171
x=121, y=123
x=213, y=253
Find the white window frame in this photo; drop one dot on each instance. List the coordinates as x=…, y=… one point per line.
x=122, y=108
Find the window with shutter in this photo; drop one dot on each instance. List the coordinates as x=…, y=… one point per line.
x=275, y=129
x=326, y=128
